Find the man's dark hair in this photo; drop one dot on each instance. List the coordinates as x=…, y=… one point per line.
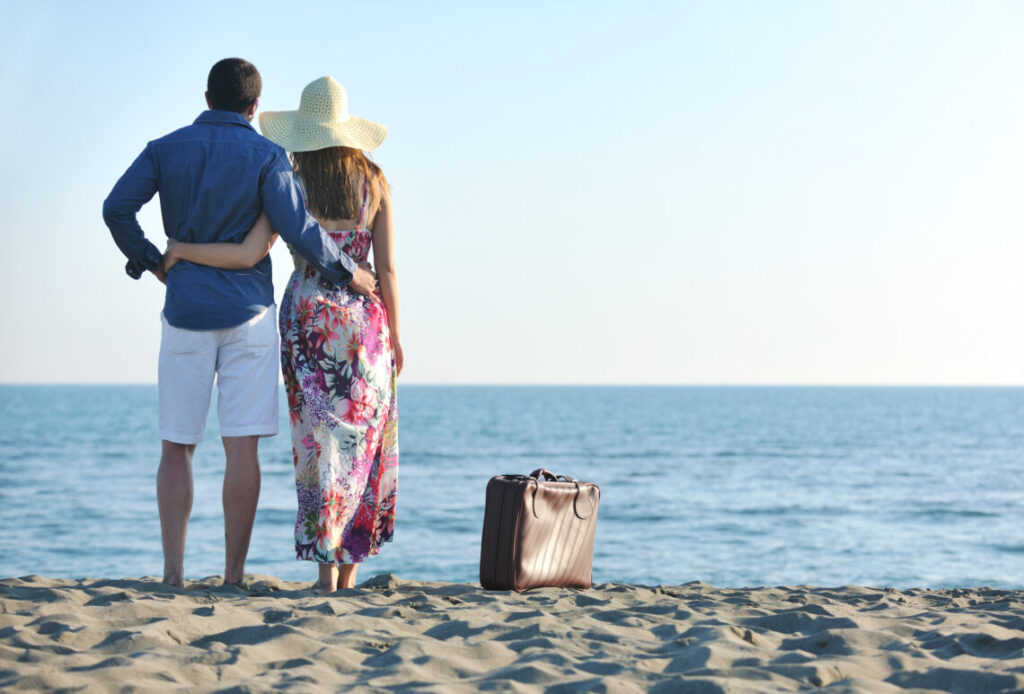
x=233, y=85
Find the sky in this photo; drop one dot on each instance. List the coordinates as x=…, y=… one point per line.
x=717, y=192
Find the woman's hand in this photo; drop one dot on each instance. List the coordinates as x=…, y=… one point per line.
x=399, y=356
x=170, y=258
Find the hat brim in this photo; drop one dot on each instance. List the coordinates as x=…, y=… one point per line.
x=298, y=133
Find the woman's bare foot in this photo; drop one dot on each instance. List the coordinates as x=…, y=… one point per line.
x=320, y=589
x=347, y=577
x=328, y=580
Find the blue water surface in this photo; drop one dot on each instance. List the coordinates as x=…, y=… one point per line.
x=735, y=486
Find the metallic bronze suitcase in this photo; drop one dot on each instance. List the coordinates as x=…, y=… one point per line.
x=538, y=531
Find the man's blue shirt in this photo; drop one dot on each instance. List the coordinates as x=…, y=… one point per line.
x=214, y=177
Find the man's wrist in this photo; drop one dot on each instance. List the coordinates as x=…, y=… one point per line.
x=134, y=269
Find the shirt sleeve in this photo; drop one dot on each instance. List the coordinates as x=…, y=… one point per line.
x=135, y=188
x=286, y=209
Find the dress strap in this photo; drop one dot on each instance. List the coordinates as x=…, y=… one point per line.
x=366, y=204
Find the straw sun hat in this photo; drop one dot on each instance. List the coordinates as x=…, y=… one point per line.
x=322, y=121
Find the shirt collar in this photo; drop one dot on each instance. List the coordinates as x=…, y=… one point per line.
x=230, y=117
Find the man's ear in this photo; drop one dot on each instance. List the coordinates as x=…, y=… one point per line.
x=250, y=113
x=207, y=95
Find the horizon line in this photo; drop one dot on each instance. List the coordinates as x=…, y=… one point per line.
x=436, y=384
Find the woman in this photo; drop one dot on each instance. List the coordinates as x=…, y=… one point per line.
x=341, y=352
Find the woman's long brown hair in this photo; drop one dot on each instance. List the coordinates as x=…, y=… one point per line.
x=334, y=178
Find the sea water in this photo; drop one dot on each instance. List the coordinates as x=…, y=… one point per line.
x=735, y=486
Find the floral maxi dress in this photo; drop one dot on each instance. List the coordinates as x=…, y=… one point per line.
x=339, y=371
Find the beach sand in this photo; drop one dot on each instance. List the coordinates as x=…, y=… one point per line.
x=392, y=634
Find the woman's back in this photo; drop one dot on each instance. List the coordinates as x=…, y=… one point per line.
x=354, y=237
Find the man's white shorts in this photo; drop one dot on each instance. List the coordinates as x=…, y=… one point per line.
x=245, y=360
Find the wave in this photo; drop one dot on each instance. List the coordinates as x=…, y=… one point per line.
x=942, y=513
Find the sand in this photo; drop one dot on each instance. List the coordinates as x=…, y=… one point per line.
x=391, y=634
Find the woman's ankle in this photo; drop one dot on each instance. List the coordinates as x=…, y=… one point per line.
x=347, y=576
x=174, y=580
x=327, y=580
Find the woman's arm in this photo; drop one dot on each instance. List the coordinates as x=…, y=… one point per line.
x=231, y=256
x=384, y=263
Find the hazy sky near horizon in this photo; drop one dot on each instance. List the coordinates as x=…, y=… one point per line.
x=655, y=192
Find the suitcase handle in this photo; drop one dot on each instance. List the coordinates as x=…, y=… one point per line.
x=541, y=473
x=583, y=505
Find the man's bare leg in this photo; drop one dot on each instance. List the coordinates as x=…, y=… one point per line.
x=174, y=499
x=241, y=494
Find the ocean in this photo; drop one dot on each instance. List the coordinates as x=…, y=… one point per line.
x=733, y=486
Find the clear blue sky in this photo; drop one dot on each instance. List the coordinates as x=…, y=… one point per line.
x=679, y=192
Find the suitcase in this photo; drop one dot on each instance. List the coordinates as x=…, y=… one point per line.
x=538, y=531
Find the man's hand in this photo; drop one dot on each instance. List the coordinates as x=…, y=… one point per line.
x=364, y=282
x=160, y=273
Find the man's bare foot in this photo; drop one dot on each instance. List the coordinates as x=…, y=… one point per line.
x=174, y=581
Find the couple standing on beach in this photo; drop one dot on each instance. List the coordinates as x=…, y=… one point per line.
x=226, y=193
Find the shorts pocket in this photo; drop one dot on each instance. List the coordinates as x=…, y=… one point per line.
x=177, y=341
x=262, y=334
x=183, y=349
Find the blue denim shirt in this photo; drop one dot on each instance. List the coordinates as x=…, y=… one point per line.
x=214, y=177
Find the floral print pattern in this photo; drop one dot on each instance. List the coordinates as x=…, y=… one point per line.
x=339, y=372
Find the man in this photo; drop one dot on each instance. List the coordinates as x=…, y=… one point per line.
x=214, y=178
